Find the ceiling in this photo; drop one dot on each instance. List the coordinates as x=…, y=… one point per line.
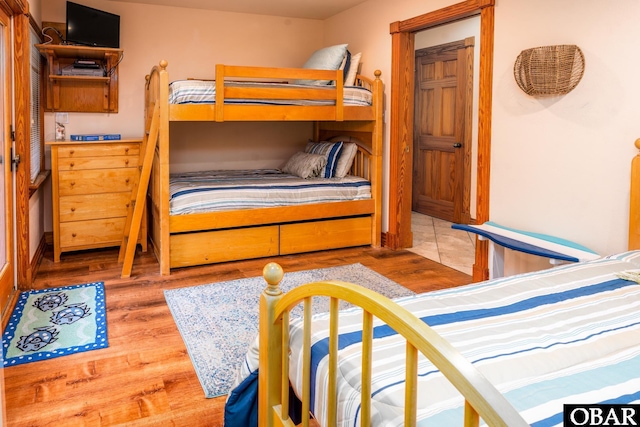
x=308, y=9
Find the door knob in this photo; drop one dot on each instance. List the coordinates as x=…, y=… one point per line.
x=457, y=145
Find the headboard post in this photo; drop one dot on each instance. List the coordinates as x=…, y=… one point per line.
x=163, y=150
x=270, y=363
x=634, y=201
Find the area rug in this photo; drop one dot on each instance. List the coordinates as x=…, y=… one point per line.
x=219, y=321
x=55, y=322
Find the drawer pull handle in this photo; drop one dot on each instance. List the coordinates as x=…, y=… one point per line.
x=127, y=205
x=71, y=152
x=73, y=209
x=127, y=181
x=71, y=164
x=126, y=162
x=126, y=150
x=73, y=183
x=73, y=234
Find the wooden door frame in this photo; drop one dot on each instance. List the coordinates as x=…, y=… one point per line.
x=401, y=121
x=23, y=24
x=7, y=270
x=11, y=8
x=22, y=123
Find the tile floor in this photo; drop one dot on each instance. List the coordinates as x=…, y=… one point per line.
x=434, y=239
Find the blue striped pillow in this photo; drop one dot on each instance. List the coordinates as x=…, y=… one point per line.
x=331, y=150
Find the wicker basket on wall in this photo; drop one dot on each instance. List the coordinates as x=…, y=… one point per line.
x=549, y=70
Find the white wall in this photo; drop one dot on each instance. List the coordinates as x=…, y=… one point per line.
x=34, y=9
x=366, y=28
x=193, y=41
x=36, y=221
x=559, y=166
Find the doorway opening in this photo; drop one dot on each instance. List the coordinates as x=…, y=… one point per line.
x=442, y=134
x=445, y=142
x=434, y=239
x=403, y=34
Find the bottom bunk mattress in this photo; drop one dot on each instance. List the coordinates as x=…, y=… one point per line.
x=210, y=191
x=567, y=335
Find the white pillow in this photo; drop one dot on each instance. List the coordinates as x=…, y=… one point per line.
x=345, y=62
x=347, y=154
x=305, y=165
x=344, y=66
x=345, y=161
x=350, y=77
x=328, y=58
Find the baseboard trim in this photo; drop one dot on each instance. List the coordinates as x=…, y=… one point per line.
x=8, y=309
x=37, y=257
x=48, y=237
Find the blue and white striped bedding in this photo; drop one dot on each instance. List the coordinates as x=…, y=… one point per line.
x=209, y=191
x=567, y=335
x=204, y=92
x=532, y=243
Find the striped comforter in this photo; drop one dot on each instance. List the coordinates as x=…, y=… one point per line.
x=570, y=334
x=204, y=92
x=209, y=191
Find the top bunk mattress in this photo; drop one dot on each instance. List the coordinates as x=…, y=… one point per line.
x=204, y=92
x=209, y=191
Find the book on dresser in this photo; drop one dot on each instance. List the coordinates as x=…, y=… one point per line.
x=96, y=137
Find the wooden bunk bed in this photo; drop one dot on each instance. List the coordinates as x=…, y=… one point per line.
x=510, y=351
x=201, y=238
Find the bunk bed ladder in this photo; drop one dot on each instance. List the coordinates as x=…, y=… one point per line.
x=138, y=195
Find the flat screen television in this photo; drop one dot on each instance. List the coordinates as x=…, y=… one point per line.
x=92, y=27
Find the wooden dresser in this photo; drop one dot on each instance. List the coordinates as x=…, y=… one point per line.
x=91, y=191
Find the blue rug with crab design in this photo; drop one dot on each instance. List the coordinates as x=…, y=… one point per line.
x=55, y=322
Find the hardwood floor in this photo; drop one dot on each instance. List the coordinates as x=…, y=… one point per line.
x=145, y=376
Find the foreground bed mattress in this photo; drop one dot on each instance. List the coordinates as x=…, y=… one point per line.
x=210, y=191
x=568, y=335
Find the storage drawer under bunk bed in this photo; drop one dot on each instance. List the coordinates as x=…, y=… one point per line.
x=188, y=249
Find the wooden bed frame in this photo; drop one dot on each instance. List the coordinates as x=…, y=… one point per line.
x=482, y=400
x=194, y=239
x=634, y=201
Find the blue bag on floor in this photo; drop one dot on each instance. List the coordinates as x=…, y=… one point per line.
x=241, y=408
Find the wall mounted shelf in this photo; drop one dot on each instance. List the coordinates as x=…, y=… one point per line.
x=80, y=93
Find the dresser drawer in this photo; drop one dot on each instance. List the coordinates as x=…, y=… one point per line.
x=96, y=181
x=94, y=233
x=91, y=187
x=107, y=162
x=93, y=206
x=98, y=150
